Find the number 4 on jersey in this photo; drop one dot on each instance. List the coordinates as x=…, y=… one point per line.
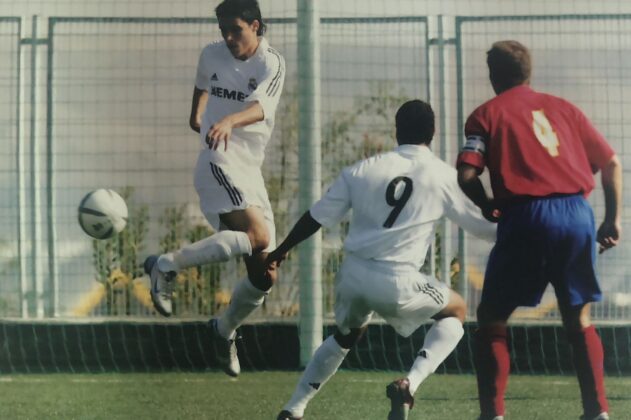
x=545, y=133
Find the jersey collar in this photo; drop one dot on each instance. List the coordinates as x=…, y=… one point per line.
x=413, y=150
x=263, y=45
x=517, y=89
x=260, y=50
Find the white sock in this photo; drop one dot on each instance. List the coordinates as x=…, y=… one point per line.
x=325, y=362
x=220, y=246
x=440, y=341
x=245, y=299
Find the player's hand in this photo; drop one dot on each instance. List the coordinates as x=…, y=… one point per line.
x=490, y=213
x=275, y=258
x=219, y=132
x=608, y=235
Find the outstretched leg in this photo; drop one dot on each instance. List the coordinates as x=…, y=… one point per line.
x=248, y=234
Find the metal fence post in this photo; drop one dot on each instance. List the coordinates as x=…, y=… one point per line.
x=310, y=253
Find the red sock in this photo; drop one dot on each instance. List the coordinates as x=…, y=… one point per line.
x=587, y=353
x=492, y=364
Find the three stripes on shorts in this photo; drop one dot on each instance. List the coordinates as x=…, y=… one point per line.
x=233, y=192
x=431, y=291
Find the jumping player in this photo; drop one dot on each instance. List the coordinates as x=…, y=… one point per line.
x=541, y=152
x=396, y=197
x=237, y=89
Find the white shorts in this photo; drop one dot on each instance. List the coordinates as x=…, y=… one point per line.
x=402, y=296
x=228, y=187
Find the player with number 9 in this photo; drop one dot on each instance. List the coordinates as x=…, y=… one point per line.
x=396, y=197
x=541, y=152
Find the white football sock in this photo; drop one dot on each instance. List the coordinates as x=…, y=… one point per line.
x=220, y=246
x=325, y=362
x=245, y=299
x=440, y=341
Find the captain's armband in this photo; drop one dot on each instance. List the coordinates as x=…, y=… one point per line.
x=475, y=144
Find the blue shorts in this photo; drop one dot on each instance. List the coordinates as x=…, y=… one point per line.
x=541, y=241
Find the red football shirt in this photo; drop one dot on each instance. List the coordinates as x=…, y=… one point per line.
x=534, y=144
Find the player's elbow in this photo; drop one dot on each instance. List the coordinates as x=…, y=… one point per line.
x=259, y=239
x=194, y=123
x=256, y=110
x=612, y=171
x=614, y=163
x=466, y=176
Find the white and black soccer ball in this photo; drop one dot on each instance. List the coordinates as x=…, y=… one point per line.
x=102, y=213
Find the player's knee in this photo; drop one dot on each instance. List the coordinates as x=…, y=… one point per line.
x=575, y=318
x=460, y=313
x=456, y=308
x=259, y=238
x=459, y=307
x=488, y=314
x=347, y=341
x=483, y=314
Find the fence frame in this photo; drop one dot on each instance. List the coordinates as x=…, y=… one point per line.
x=19, y=162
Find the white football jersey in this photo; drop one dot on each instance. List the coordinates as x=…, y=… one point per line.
x=397, y=197
x=231, y=84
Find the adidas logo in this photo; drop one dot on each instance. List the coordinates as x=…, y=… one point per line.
x=314, y=385
x=214, y=77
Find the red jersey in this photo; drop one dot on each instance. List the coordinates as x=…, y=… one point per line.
x=534, y=144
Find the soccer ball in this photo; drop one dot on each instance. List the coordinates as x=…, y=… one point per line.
x=102, y=213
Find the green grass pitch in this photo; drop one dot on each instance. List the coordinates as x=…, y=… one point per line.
x=261, y=395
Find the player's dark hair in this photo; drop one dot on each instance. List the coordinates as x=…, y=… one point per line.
x=247, y=10
x=509, y=65
x=415, y=123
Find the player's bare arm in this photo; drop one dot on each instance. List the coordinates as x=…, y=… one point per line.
x=303, y=229
x=469, y=181
x=221, y=131
x=200, y=99
x=610, y=230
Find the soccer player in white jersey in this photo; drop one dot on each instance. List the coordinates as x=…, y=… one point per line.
x=237, y=89
x=397, y=198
